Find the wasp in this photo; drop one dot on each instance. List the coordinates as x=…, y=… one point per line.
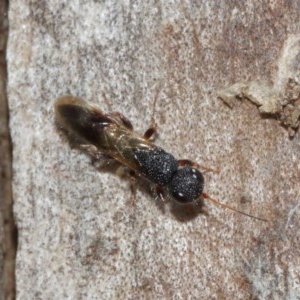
x=111, y=135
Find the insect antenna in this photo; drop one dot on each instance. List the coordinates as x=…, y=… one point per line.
x=217, y=203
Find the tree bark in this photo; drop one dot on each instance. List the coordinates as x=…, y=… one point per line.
x=83, y=233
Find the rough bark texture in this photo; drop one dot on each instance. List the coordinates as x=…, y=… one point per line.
x=82, y=232
x=7, y=226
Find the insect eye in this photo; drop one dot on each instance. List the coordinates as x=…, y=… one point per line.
x=186, y=185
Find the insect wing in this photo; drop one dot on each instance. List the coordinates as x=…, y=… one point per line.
x=82, y=121
x=89, y=125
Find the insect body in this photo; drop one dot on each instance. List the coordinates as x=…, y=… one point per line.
x=113, y=136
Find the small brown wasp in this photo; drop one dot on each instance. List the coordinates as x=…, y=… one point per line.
x=111, y=135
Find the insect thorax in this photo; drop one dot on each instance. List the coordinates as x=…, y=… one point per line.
x=156, y=165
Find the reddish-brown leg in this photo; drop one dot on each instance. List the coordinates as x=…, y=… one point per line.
x=187, y=162
x=150, y=132
x=153, y=129
x=160, y=193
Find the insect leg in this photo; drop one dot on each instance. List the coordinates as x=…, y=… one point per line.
x=98, y=159
x=153, y=129
x=93, y=152
x=150, y=131
x=123, y=171
x=187, y=162
x=160, y=193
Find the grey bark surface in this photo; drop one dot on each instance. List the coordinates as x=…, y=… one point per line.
x=7, y=225
x=83, y=234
